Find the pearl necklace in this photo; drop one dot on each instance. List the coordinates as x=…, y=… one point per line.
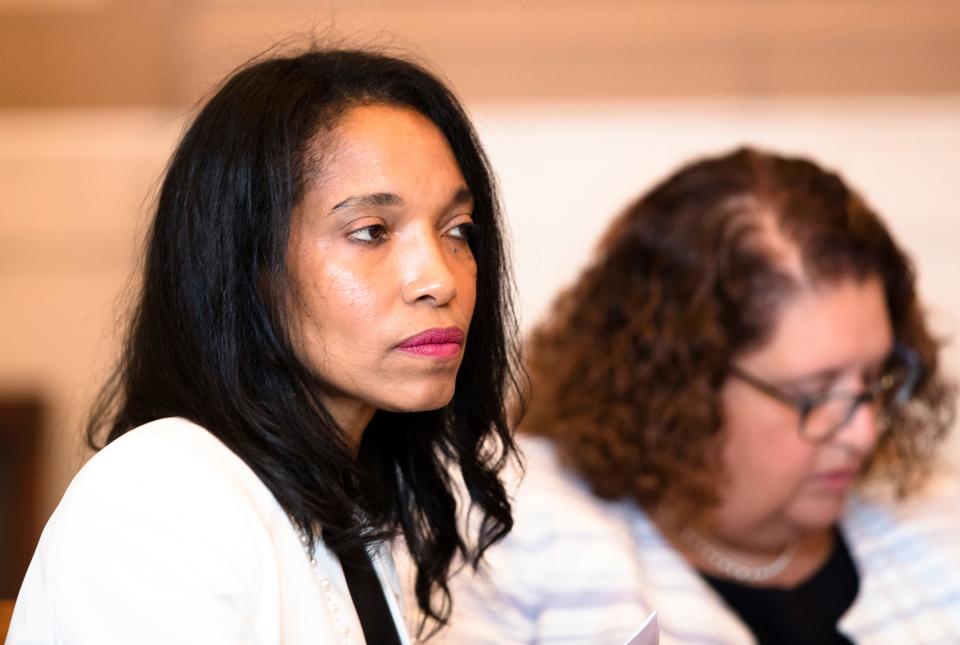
x=326, y=587
x=734, y=568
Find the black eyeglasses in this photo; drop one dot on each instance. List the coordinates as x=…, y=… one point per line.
x=822, y=415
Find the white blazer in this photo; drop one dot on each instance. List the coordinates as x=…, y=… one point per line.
x=167, y=537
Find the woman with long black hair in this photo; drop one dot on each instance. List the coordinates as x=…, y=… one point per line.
x=324, y=328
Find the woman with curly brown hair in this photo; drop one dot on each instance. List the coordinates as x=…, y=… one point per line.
x=736, y=412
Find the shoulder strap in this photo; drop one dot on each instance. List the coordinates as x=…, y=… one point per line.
x=368, y=598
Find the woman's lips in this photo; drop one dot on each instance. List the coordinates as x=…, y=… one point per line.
x=438, y=342
x=837, y=480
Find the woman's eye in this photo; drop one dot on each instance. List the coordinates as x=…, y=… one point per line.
x=370, y=234
x=810, y=391
x=461, y=231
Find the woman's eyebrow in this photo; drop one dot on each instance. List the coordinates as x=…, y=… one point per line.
x=829, y=374
x=372, y=199
x=461, y=196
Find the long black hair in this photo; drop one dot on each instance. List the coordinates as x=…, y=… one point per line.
x=208, y=338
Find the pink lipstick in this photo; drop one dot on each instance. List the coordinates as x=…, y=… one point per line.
x=438, y=343
x=837, y=480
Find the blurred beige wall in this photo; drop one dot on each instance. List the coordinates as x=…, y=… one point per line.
x=168, y=52
x=75, y=187
x=583, y=104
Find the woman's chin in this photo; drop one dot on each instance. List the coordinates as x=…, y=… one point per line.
x=820, y=513
x=418, y=399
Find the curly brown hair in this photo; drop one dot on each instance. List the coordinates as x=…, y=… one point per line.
x=628, y=368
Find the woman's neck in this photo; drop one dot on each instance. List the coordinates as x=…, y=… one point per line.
x=352, y=416
x=765, y=558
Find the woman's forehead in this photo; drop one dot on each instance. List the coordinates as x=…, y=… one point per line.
x=834, y=324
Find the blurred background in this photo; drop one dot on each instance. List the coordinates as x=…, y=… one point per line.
x=581, y=105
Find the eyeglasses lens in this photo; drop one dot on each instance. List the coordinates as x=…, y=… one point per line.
x=890, y=392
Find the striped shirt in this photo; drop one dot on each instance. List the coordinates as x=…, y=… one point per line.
x=577, y=569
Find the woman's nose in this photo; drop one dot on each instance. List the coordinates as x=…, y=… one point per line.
x=861, y=431
x=425, y=273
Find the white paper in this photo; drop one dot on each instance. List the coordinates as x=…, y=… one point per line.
x=648, y=634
